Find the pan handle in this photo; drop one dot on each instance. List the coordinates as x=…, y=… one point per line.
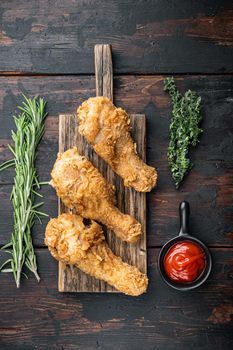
x=184, y=218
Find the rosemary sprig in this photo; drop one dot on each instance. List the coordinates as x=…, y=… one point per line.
x=29, y=131
x=184, y=129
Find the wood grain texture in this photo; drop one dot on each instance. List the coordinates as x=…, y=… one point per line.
x=38, y=316
x=103, y=71
x=152, y=37
x=208, y=187
x=147, y=36
x=70, y=278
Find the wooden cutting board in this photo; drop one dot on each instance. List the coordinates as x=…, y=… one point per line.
x=128, y=201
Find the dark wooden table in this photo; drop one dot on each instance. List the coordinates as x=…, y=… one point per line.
x=46, y=48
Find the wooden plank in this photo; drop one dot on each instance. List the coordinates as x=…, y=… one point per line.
x=209, y=185
x=134, y=203
x=70, y=278
x=154, y=36
x=37, y=316
x=103, y=71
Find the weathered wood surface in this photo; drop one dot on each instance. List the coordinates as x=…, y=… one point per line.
x=129, y=201
x=147, y=36
x=70, y=278
x=103, y=71
x=208, y=187
x=37, y=316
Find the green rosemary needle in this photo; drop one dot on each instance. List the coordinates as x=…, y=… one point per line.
x=29, y=131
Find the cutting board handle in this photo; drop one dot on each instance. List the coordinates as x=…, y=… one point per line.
x=103, y=71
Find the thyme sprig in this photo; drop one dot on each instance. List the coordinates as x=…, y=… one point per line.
x=184, y=129
x=29, y=131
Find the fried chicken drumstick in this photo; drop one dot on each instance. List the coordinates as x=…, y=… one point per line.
x=74, y=242
x=80, y=185
x=107, y=129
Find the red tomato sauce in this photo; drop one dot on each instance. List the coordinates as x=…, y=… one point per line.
x=184, y=262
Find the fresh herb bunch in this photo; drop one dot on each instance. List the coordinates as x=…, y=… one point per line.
x=184, y=129
x=29, y=131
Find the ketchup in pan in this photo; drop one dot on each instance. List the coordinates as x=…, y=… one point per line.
x=184, y=262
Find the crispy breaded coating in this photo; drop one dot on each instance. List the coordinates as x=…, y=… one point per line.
x=80, y=185
x=107, y=129
x=72, y=241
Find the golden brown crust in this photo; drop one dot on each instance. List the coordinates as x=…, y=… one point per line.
x=80, y=185
x=72, y=242
x=107, y=129
x=69, y=238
